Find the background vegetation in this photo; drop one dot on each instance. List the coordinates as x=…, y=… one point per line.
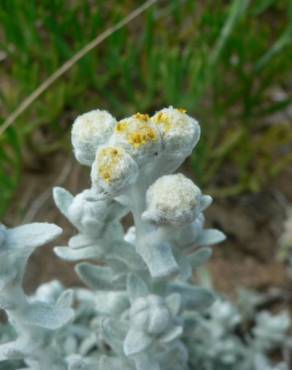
x=227, y=62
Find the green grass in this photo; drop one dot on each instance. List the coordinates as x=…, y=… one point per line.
x=220, y=60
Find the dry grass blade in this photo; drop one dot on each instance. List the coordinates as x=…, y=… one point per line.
x=66, y=66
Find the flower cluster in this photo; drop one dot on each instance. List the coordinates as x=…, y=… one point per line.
x=127, y=159
x=119, y=151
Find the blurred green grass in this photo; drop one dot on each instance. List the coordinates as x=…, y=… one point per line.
x=220, y=60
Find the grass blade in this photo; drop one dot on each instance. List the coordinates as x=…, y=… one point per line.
x=66, y=66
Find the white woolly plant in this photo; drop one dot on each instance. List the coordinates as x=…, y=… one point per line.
x=142, y=310
x=143, y=288
x=35, y=320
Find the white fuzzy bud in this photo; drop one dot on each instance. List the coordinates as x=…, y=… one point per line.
x=113, y=170
x=172, y=199
x=138, y=136
x=90, y=130
x=179, y=132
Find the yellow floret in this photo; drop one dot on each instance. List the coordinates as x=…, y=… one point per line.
x=137, y=133
x=166, y=119
x=121, y=126
x=142, y=117
x=107, y=162
x=163, y=119
x=142, y=136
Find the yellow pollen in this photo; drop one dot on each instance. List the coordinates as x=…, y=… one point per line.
x=107, y=162
x=142, y=117
x=142, y=136
x=182, y=110
x=121, y=126
x=105, y=175
x=163, y=119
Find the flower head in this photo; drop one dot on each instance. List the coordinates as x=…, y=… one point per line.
x=172, y=199
x=179, y=132
x=90, y=130
x=138, y=136
x=113, y=169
